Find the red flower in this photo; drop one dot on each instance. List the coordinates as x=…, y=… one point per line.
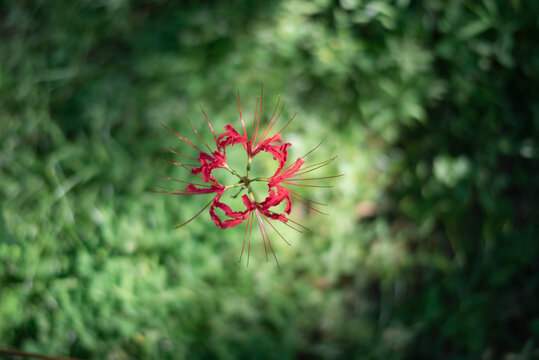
x=231, y=137
x=279, y=192
x=208, y=163
x=236, y=217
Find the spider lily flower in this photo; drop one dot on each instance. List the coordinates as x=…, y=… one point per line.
x=235, y=217
x=280, y=184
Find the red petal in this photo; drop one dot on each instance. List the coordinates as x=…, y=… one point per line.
x=274, y=199
x=237, y=217
x=219, y=189
x=231, y=136
x=276, y=179
x=208, y=164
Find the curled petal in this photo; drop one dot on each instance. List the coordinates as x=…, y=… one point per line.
x=219, y=189
x=278, y=178
x=208, y=163
x=280, y=153
x=275, y=199
x=236, y=217
x=274, y=139
x=275, y=216
x=230, y=137
x=248, y=203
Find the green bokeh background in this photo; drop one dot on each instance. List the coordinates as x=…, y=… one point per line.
x=431, y=249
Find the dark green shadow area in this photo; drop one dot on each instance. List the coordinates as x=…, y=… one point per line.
x=430, y=251
x=4, y=235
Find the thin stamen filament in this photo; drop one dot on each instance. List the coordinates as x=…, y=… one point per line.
x=200, y=137
x=310, y=179
x=211, y=127
x=183, y=138
x=270, y=224
x=197, y=214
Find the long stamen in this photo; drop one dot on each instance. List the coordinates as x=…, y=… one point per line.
x=314, y=167
x=200, y=137
x=245, y=235
x=320, y=178
x=306, y=185
x=250, y=236
x=277, y=231
x=182, y=138
x=309, y=206
x=291, y=227
x=264, y=232
x=177, y=153
x=316, y=147
x=288, y=123
x=174, y=162
x=270, y=120
x=298, y=224
x=180, y=191
x=238, y=102
x=254, y=127
x=194, y=217
x=306, y=198
x=270, y=125
x=182, y=181
x=211, y=127
x=183, y=166
x=175, y=193
x=259, y=115
x=321, y=164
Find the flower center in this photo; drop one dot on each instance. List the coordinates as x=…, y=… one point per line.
x=245, y=180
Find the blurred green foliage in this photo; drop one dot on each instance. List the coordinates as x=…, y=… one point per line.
x=431, y=250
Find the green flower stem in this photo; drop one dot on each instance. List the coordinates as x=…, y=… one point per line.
x=251, y=193
x=232, y=171
x=238, y=193
x=234, y=185
x=249, y=159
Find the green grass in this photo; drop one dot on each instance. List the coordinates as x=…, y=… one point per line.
x=430, y=250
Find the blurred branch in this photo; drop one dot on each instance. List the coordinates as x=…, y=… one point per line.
x=33, y=355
